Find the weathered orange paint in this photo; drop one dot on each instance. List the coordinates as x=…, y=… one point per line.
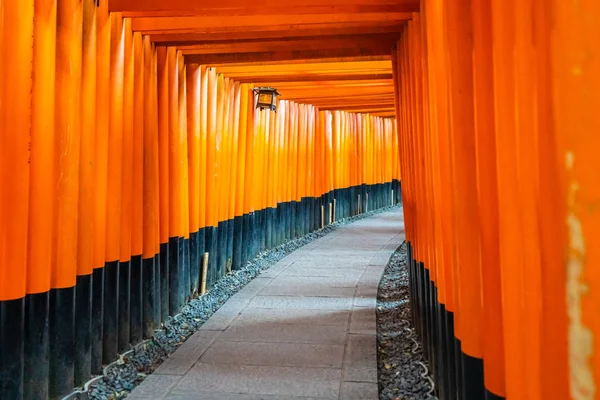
x=193, y=133
x=87, y=163
x=115, y=139
x=574, y=56
x=127, y=144
x=139, y=101
x=175, y=163
x=183, y=148
x=163, y=141
x=103, y=29
x=68, y=139
x=15, y=113
x=493, y=327
x=150, y=154
x=41, y=185
x=511, y=262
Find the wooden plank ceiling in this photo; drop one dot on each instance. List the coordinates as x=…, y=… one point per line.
x=334, y=54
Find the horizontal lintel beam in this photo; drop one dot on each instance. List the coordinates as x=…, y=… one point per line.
x=198, y=23
x=181, y=6
x=289, y=55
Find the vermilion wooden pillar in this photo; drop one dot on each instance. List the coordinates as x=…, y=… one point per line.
x=488, y=191
x=575, y=99
x=41, y=204
x=114, y=188
x=100, y=178
x=459, y=50
x=67, y=147
x=510, y=227
x=16, y=49
x=87, y=201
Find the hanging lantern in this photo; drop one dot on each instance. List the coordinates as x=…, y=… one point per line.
x=267, y=98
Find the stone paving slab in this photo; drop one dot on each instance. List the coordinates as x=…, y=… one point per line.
x=269, y=332
x=190, y=351
x=307, y=303
x=316, y=290
x=275, y=354
x=320, y=272
x=362, y=321
x=305, y=329
x=333, y=281
x=154, y=387
x=295, y=316
x=253, y=288
x=358, y=391
x=226, y=314
x=265, y=380
x=360, y=363
x=233, y=396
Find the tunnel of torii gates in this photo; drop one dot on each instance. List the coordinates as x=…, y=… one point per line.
x=136, y=172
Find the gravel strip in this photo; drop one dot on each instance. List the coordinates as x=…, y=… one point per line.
x=122, y=376
x=402, y=370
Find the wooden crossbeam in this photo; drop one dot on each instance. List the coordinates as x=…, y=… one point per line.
x=251, y=9
x=302, y=44
x=287, y=56
x=197, y=24
x=318, y=66
x=179, y=7
x=274, y=32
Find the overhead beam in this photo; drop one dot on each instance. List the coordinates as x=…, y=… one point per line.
x=365, y=109
x=289, y=55
x=335, y=65
x=279, y=32
x=355, y=106
x=200, y=23
x=306, y=44
x=332, y=93
x=353, y=86
x=180, y=6
x=251, y=9
x=303, y=62
x=311, y=80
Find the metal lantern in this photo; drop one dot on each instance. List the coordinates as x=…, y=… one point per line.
x=267, y=98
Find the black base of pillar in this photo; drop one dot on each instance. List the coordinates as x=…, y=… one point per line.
x=136, y=300
x=148, y=297
x=185, y=289
x=473, y=386
x=97, y=319
x=211, y=248
x=238, y=229
x=195, y=258
x=174, y=274
x=83, y=329
x=201, y=251
x=163, y=279
x=111, y=312
x=451, y=357
x=229, y=254
x=61, y=346
x=35, y=385
x=491, y=396
x=246, y=240
x=253, y=235
x=458, y=367
x=221, y=253
x=124, y=302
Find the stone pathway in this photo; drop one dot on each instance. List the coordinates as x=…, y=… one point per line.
x=305, y=329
